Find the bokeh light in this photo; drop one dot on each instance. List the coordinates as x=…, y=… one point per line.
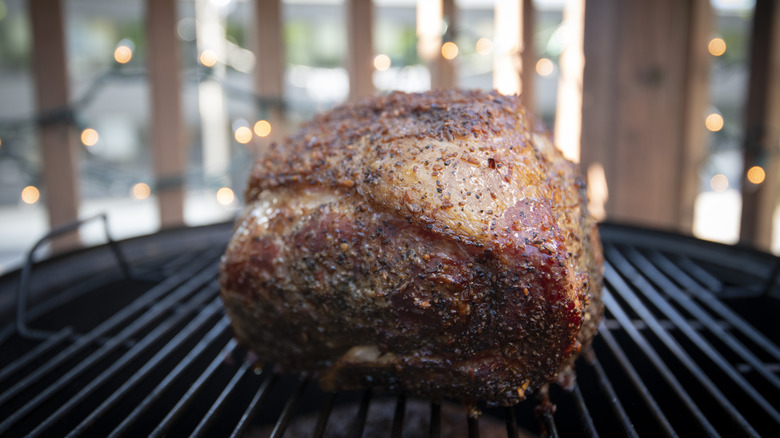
x=756, y=174
x=243, y=134
x=208, y=58
x=30, y=195
x=225, y=196
x=484, y=46
x=262, y=128
x=382, y=62
x=89, y=137
x=123, y=54
x=716, y=47
x=544, y=67
x=714, y=122
x=449, y=50
x=719, y=183
x=141, y=191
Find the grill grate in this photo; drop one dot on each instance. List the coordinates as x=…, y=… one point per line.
x=689, y=346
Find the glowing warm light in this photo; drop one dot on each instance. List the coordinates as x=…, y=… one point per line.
x=719, y=183
x=89, y=137
x=381, y=62
x=208, y=58
x=262, y=128
x=225, y=196
x=449, y=50
x=716, y=47
x=243, y=134
x=123, y=54
x=30, y=195
x=141, y=191
x=544, y=67
x=714, y=122
x=1, y=142
x=484, y=46
x=756, y=175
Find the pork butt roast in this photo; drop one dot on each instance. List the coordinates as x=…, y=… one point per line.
x=436, y=244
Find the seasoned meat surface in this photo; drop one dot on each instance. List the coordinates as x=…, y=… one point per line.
x=436, y=244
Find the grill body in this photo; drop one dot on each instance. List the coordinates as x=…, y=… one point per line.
x=138, y=344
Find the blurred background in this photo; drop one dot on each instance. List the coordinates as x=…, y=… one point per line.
x=153, y=111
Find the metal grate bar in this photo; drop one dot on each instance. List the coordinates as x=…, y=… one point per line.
x=649, y=351
x=585, y=417
x=144, y=405
x=606, y=387
x=711, y=300
x=176, y=283
x=636, y=380
x=322, y=418
x=213, y=309
x=139, y=324
x=289, y=409
x=356, y=429
x=435, y=427
x=512, y=430
x=255, y=404
x=704, y=318
x=155, y=361
x=40, y=350
x=219, y=403
x=473, y=426
x=701, y=275
x=398, y=417
x=618, y=260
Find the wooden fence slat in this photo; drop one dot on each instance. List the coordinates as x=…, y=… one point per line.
x=167, y=141
x=762, y=125
x=269, y=69
x=360, y=19
x=56, y=133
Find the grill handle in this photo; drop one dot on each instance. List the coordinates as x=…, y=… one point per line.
x=24, y=283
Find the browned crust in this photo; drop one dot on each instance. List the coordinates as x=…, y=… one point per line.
x=451, y=254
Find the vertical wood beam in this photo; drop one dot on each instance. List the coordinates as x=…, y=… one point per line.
x=443, y=72
x=528, y=55
x=568, y=108
x=57, y=136
x=360, y=17
x=762, y=126
x=167, y=141
x=269, y=70
x=636, y=105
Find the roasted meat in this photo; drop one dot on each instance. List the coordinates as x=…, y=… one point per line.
x=435, y=244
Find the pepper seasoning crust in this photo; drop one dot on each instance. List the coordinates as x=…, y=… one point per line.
x=434, y=243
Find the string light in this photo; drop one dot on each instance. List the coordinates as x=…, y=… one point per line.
x=123, y=54
x=262, y=128
x=449, y=50
x=141, y=191
x=30, y=195
x=484, y=46
x=756, y=174
x=716, y=47
x=714, y=122
x=719, y=183
x=544, y=67
x=243, y=134
x=89, y=137
x=208, y=58
x=225, y=196
x=382, y=62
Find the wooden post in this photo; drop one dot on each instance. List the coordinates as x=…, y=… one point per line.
x=167, y=142
x=762, y=126
x=57, y=136
x=443, y=72
x=269, y=70
x=568, y=109
x=360, y=17
x=638, y=105
x=527, y=55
